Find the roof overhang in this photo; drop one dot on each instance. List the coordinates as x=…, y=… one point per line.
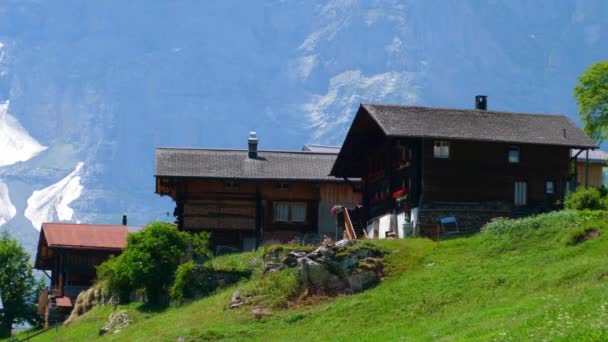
x=288, y=180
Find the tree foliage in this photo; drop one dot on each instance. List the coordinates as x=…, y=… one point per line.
x=148, y=263
x=592, y=97
x=17, y=285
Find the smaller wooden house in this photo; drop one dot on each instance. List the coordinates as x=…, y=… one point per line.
x=247, y=198
x=591, y=168
x=71, y=252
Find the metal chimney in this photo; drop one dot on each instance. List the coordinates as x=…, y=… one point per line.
x=253, y=145
x=481, y=102
x=124, y=220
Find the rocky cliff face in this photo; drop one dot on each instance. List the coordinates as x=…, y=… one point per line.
x=88, y=90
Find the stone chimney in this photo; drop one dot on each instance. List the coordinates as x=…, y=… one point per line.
x=481, y=102
x=253, y=145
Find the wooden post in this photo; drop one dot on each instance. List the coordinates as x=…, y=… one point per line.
x=586, y=168
x=258, y=217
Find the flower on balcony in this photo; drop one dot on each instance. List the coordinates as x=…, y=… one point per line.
x=336, y=209
x=399, y=193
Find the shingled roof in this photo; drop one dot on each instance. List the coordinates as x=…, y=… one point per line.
x=93, y=236
x=374, y=123
x=446, y=123
x=226, y=164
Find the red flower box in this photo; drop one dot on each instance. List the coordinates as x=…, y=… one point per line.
x=399, y=193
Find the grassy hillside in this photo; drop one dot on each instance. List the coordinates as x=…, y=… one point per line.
x=541, y=278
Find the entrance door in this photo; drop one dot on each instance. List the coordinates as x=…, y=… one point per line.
x=521, y=194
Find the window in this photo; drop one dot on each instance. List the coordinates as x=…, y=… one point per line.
x=605, y=176
x=513, y=154
x=289, y=212
x=549, y=187
x=282, y=186
x=442, y=149
x=281, y=211
x=231, y=185
x=298, y=212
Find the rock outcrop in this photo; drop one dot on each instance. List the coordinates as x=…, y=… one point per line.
x=342, y=267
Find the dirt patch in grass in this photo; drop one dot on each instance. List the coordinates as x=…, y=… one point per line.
x=588, y=234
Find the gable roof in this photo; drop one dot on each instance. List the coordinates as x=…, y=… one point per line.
x=235, y=164
x=86, y=236
x=465, y=124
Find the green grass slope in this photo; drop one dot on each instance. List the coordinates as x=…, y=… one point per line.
x=541, y=278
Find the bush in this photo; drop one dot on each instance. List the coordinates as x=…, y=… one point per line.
x=590, y=198
x=200, y=247
x=148, y=263
x=182, y=287
x=532, y=223
x=194, y=281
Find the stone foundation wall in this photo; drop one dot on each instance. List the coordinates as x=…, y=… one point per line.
x=470, y=216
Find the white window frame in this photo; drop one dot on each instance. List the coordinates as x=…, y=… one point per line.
x=292, y=211
x=285, y=211
x=441, y=149
x=278, y=214
x=549, y=190
x=514, y=149
x=284, y=186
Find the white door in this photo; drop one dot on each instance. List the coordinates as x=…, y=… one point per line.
x=521, y=194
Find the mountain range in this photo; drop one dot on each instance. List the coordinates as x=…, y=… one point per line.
x=88, y=89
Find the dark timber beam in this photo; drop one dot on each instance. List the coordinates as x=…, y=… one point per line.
x=258, y=217
x=587, y=168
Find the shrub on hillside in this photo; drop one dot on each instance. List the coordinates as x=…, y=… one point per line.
x=590, y=198
x=552, y=219
x=200, y=247
x=182, y=287
x=194, y=280
x=148, y=263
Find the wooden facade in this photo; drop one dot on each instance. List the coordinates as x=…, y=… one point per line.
x=591, y=169
x=472, y=173
x=243, y=213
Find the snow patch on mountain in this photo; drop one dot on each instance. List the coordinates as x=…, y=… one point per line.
x=335, y=16
x=15, y=142
x=52, y=203
x=330, y=114
x=7, y=209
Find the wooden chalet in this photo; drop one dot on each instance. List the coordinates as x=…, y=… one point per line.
x=246, y=198
x=423, y=164
x=71, y=252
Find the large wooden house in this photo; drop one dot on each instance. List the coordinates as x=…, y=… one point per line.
x=246, y=198
x=71, y=252
x=423, y=164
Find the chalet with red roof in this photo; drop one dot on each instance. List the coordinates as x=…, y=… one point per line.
x=71, y=252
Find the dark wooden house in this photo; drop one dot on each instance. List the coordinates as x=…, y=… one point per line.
x=248, y=197
x=71, y=252
x=424, y=164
